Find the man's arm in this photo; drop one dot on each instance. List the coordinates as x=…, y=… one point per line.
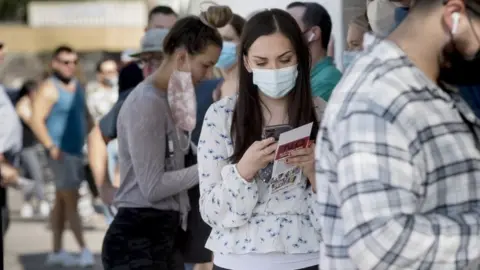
x=97, y=156
x=381, y=190
x=43, y=103
x=90, y=120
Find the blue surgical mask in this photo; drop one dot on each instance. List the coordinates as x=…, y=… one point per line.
x=228, y=56
x=275, y=83
x=349, y=57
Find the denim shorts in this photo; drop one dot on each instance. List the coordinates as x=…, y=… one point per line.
x=68, y=172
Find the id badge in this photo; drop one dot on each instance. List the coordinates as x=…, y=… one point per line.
x=286, y=180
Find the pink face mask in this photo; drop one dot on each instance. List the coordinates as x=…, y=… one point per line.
x=182, y=100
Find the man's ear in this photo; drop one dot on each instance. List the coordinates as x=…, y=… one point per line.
x=246, y=64
x=317, y=33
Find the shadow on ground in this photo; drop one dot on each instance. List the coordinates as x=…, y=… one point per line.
x=36, y=262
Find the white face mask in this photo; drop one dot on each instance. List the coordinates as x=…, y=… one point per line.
x=275, y=83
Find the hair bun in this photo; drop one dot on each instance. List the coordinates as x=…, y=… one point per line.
x=217, y=15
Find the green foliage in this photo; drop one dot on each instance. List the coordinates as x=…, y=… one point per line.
x=15, y=11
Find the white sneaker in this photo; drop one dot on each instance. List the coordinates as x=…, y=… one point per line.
x=44, y=209
x=26, y=211
x=61, y=258
x=86, y=258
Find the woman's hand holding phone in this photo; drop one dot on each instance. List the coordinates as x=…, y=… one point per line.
x=257, y=156
x=305, y=160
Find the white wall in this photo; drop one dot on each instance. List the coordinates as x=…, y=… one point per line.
x=341, y=11
x=87, y=14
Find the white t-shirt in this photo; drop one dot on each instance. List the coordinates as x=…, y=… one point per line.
x=100, y=100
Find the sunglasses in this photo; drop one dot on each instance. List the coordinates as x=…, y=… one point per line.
x=68, y=62
x=1, y=45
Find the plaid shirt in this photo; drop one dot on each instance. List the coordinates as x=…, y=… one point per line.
x=398, y=170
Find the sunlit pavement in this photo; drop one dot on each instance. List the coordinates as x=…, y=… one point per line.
x=28, y=242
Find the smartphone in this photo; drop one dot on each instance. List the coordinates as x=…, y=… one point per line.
x=275, y=131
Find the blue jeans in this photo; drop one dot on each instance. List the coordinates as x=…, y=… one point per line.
x=32, y=168
x=112, y=152
x=189, y=266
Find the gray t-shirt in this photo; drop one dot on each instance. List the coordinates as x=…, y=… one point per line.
x=151, y=160
x=10, y=125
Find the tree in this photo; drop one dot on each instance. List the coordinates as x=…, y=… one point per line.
x=15, y=11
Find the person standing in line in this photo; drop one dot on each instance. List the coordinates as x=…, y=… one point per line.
x=103, y=92
x=256, y=226
x=195, y=254
x=154, y=135
x=151, y=55
x=316, y=25
x=227, y=63
x=10, y=147
x=398, y=156
x=101, y=96
x=61, y=121
x=29, y=156
x=104, y=158
x=357, y=29
x=162, y=17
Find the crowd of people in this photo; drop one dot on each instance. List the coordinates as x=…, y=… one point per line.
x=181, y=164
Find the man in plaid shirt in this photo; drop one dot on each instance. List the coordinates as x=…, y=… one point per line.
x=398, y=159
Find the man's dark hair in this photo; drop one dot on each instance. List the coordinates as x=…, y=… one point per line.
x=98, y=67
x=316, y=15
x=161, y=10
x=62, y=49
x=295, y=4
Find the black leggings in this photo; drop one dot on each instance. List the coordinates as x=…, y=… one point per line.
x=141, y=238
x=315, y=267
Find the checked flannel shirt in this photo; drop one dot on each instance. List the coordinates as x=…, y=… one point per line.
x=398, y=170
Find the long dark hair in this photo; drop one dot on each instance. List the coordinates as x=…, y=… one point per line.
x=247, y=122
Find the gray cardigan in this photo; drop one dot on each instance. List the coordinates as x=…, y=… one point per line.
x=151, y=160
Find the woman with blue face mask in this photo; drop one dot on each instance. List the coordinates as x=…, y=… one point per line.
x=227, y=63
x=256, y=224
x=356, y=31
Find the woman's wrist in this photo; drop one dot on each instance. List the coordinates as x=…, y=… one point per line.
x=311, y=179
x=244, y=173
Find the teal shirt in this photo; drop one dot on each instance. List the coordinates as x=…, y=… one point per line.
x=324, y=78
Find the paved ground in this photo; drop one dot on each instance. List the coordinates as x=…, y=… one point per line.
x=28, y=242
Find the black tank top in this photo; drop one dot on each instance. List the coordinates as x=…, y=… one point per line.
x=29, y=138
